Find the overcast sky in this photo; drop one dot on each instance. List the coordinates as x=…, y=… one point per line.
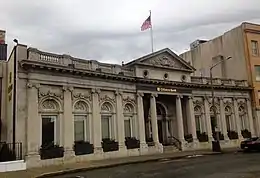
x=109, y=30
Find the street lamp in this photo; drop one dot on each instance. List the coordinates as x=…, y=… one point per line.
x=213, y=100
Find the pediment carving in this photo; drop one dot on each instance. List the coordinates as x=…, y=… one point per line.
x=165, y=61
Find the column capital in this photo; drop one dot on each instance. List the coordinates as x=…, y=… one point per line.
x=179, y=96
x=190, y=97
x=119, y=93
x=95, y=91
x=234, y=99
x=247, y=99
x=140, y=94
x=33, y=85
x=221, y=98
x=154, y=95
x=67, y=88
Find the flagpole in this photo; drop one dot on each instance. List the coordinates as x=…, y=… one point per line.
x=151, y=30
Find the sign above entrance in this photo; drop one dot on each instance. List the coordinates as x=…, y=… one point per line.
x=166, y=89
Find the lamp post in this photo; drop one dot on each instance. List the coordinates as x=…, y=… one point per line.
x=14, y=93
x=213, y=100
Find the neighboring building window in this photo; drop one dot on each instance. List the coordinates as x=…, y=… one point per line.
x=105, y=122
x=80, y=123
x=48, y=130
x=254, y=48
x=257, y=73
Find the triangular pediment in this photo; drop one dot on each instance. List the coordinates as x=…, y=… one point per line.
x=164, y=59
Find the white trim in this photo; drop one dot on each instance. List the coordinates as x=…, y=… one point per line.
x=85, y=124
x=130, y=118
x=55, y=126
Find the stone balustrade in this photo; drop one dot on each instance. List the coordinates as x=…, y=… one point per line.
x=218, y=81
x=69, y=61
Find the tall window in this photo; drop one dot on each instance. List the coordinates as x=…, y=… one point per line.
x=254, y=46
x=105, y=124
x=257, y=73
x=197, y=120
x=80, y=125
x=129, y=120
x=228, y=122
x=127, y=124
x=48, y=130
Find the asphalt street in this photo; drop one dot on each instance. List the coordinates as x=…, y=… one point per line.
x=234, y=165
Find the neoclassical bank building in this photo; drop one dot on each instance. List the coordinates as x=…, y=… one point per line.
x=71, y=109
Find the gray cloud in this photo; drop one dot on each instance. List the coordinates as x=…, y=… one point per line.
x=109, y=31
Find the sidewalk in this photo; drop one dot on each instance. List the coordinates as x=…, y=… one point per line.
x=84, y=166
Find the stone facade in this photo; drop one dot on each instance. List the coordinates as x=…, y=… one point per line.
x=153, y=99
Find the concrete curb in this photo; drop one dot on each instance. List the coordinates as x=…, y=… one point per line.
x=71, y=171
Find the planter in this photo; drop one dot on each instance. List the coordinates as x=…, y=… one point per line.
x=246, y=134
x=53, y=151
x=109, y=145
x=188, y=138
x=232, y=135
x=82, y=148
x=132, y=143
x=203, y=137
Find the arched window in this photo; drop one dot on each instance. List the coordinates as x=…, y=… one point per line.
x=81, y=121
x=228, y=115
x=242, y=114
x=50, y=109
x=198, y=117
x=129, y=120
x=107, y=120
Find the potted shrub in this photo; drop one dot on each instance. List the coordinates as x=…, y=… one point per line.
x=188, y=138
x=232, y=135
x=109, y=145
x=203, y=137
x=83, y=147
x=132, y=143
x=51, y=151
x=246, y=134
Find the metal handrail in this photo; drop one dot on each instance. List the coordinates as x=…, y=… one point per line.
x=176, y=142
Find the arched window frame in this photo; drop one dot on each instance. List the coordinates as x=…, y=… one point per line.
x=228, y=117
x=82, y=113
x=129, y=112
x=242, y=116
x=51, y=113
x=198, y=117
x=108, y=113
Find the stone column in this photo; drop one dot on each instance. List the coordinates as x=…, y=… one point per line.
x=250, y=117
x=120, y=121
x=191, y=118
x=179, y=119
x=154, y=119
x=223, y=119
x=141, y=123
x=208, y=119
x=237, y=119
x=96, y=118
x=33, y=122
x=68, y=123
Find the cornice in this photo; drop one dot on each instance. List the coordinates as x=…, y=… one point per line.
x=27, y=64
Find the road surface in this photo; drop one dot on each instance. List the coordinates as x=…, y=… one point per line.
x=235, y=165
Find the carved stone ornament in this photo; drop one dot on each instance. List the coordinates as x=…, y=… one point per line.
x=128, y=108
x=33, y=85
x=197, y=110
x=128, y=100
x=50, y=94
x=228, y=110
x=50, y=104
x=81, y=106
x=106, y=107
x=163, y=61
x=228, y=103
x=107, y=98
x=82, y=96
x=197, y=102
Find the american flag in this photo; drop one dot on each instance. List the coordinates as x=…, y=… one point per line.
x=147, y=24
